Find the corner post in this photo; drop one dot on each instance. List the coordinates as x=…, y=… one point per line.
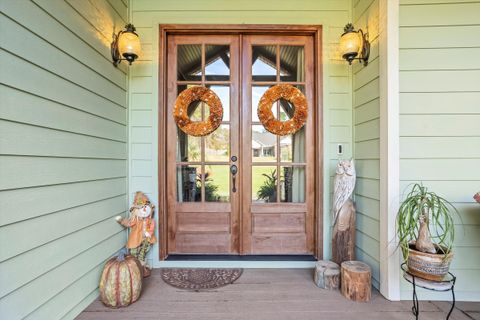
x=389, y=147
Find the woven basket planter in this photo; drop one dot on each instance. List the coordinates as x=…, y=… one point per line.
x=430, y=266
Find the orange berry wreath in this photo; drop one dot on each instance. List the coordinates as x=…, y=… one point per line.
x=197, y=128
x=292, y=95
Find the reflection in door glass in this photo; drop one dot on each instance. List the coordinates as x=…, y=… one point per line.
x=264, y=63
x=188, y=147
x=223, y=93
x=189, y=183
x=286, y=110
x=292, y=64
x=264, y=184
x=292, y=147
x=257, y=93
x=217, y=183
x=292, y=184
x=189, y=62
x=217, y=144
x=217, y=62
x=264, y=145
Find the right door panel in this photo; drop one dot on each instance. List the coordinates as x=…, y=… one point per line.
x=278, y=171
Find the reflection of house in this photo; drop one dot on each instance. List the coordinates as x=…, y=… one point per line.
x=264, y=144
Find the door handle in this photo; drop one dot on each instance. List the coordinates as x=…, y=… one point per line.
x=233, y=171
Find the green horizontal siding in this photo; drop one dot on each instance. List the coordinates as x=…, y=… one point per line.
x=366, y=139
x=63, y=153
x=439, y=120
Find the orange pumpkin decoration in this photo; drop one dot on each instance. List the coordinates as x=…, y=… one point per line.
x=292, y=95
x=198, y=128
x=121, y=281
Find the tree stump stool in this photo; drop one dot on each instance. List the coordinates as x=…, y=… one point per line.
x=356, y=281
x=327, y=275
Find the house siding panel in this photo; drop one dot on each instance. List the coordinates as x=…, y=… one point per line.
x=366, y=137
x=439, y=120
x=63, y=154
x=337, y=82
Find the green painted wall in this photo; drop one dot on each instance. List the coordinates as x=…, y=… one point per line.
x=440, y=119
x=366, y=139
x=143, y=95
x=63, y=145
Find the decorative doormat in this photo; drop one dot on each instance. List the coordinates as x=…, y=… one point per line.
x=201, y=278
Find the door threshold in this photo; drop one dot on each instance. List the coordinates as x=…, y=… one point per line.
x=232, y=257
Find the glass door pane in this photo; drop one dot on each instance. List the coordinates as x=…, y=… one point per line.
x=189, y=62
x=276, y=64
x=264, y=63
x=292, y=64
x=217, y=62
x=189, y=183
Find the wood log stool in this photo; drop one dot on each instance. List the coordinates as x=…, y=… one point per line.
x=327, y=275
x=356, y=278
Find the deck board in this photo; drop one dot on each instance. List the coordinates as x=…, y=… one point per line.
x=262, y=294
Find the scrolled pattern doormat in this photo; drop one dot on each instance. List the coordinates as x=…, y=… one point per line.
x=199, y=279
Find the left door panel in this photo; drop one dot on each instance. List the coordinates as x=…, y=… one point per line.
x=203, y=213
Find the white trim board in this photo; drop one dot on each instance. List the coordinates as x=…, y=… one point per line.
x=389, y=146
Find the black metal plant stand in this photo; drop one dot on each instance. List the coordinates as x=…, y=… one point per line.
x=446, y=284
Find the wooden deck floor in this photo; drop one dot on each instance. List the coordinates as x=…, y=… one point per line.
x=267, y=294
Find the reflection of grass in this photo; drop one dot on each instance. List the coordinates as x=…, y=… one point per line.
x=217, y=157
x=220, y=176
x=264, y=159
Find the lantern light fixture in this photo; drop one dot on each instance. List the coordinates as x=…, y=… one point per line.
x=354, y=43
x=125, y=45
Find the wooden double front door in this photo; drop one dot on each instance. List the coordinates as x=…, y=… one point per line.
x=240, y=189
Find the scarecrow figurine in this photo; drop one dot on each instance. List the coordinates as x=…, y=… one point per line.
x=142, y=228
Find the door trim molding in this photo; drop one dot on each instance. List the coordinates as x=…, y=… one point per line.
x=278, y=29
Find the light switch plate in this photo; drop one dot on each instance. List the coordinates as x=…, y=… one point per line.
x=339, y=149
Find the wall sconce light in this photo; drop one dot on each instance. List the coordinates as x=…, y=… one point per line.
x=125, y=45
x=353, y=43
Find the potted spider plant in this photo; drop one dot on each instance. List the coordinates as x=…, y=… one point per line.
x=426, y=231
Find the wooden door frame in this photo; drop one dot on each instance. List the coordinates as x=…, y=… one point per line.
x=277, y=29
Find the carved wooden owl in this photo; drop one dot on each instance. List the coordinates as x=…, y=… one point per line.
x=343, y=185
